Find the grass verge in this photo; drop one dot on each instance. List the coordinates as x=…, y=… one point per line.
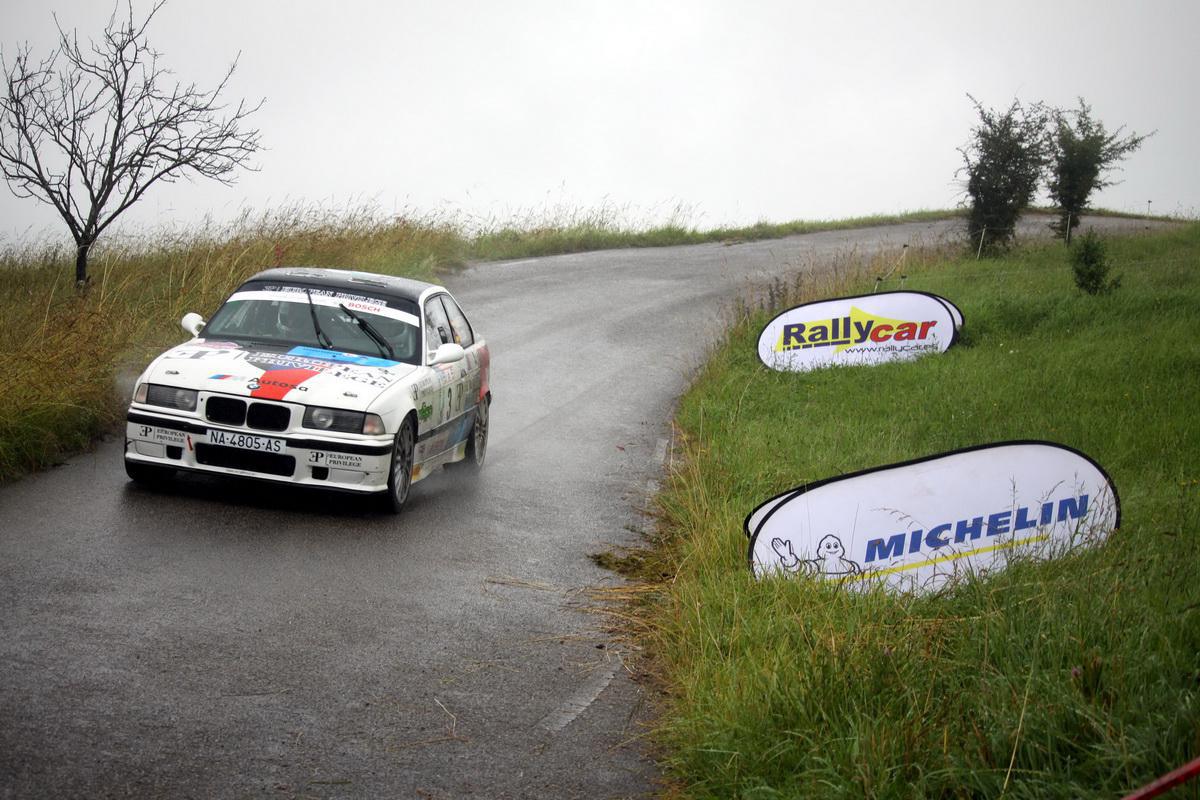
x=601, y=231
x=1073, y=678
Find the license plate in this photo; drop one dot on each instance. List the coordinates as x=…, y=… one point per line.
x=246, y=441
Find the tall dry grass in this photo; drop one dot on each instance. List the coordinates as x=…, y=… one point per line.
x=68, y=358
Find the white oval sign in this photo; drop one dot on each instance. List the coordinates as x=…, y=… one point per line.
x=954, y=312
x=916, y=526
x=867, y=329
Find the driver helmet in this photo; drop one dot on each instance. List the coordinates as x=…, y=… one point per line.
x=293, y=320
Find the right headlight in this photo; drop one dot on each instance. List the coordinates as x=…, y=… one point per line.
x=170, y=397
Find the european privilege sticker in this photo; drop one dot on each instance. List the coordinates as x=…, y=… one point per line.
x=164, y=435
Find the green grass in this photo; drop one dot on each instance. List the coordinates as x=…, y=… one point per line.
x=65, y=356
x=1073, y=678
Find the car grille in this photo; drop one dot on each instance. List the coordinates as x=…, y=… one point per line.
x=235, y=458
x=268, y=417
x=225, y=410
x=261, y=416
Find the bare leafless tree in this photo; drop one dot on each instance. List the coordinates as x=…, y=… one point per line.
x=90, y=129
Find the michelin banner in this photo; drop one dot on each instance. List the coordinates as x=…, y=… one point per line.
x=920, y=525
x=867, y=329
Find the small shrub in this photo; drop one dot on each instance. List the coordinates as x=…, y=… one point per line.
x=1089, y=261
x=1003, y=163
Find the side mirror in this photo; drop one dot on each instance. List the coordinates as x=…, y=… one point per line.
x=192, y=322
x=448, y=354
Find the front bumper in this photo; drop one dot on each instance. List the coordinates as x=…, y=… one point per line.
x=347, y=463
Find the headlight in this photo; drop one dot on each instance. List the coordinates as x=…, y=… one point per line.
x=333, y=419
x=171, y=397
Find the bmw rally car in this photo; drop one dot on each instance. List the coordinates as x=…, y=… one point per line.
x=319, y=377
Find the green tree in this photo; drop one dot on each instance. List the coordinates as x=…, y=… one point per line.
x=1089, y=263
x=1004, y=162
x=1082, y=151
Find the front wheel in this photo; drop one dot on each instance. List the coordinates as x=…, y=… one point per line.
x=400, y=477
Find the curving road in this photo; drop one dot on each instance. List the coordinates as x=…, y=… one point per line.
x=218, y=640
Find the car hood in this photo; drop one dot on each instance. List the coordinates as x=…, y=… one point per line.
x=307, y=375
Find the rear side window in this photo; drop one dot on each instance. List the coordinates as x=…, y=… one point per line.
x=460, y=328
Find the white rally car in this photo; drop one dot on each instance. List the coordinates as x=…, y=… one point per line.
x=317, y=377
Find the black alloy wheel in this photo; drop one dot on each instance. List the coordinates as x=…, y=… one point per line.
x=400, y=477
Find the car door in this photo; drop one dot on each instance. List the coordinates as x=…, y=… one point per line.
x=443, y=402
x=475, y=363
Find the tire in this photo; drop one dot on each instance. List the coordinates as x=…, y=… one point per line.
x=400, y=476
x=147, y=474
x=477, y=441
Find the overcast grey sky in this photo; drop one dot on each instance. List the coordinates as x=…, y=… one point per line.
x=736, y=111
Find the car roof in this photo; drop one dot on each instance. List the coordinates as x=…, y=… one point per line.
x=349, y=280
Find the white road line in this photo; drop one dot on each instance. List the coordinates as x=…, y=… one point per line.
x=578, y=702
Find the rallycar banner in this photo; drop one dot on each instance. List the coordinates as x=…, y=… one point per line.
x=866, y=329
x=919, y=525
x=955, y=312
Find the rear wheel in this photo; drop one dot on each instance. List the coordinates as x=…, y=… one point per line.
x=477, y=442
x=400, y=477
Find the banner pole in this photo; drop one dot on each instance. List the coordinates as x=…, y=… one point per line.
x=1168, y=781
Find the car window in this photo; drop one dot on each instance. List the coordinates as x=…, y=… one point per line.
x=437, y=326
x=318, y=317
x=459, y=327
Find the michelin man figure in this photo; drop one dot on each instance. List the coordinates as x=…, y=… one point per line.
x=830, y=561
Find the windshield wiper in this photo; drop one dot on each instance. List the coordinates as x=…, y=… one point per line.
x=322, y=339
x=369, y=330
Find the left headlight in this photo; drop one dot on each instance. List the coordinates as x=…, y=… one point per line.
x=169, y=396
x=336, y=419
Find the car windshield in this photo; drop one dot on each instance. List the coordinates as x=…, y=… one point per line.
x=283, y=315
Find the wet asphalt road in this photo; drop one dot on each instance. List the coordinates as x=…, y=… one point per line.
x=240, y=640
